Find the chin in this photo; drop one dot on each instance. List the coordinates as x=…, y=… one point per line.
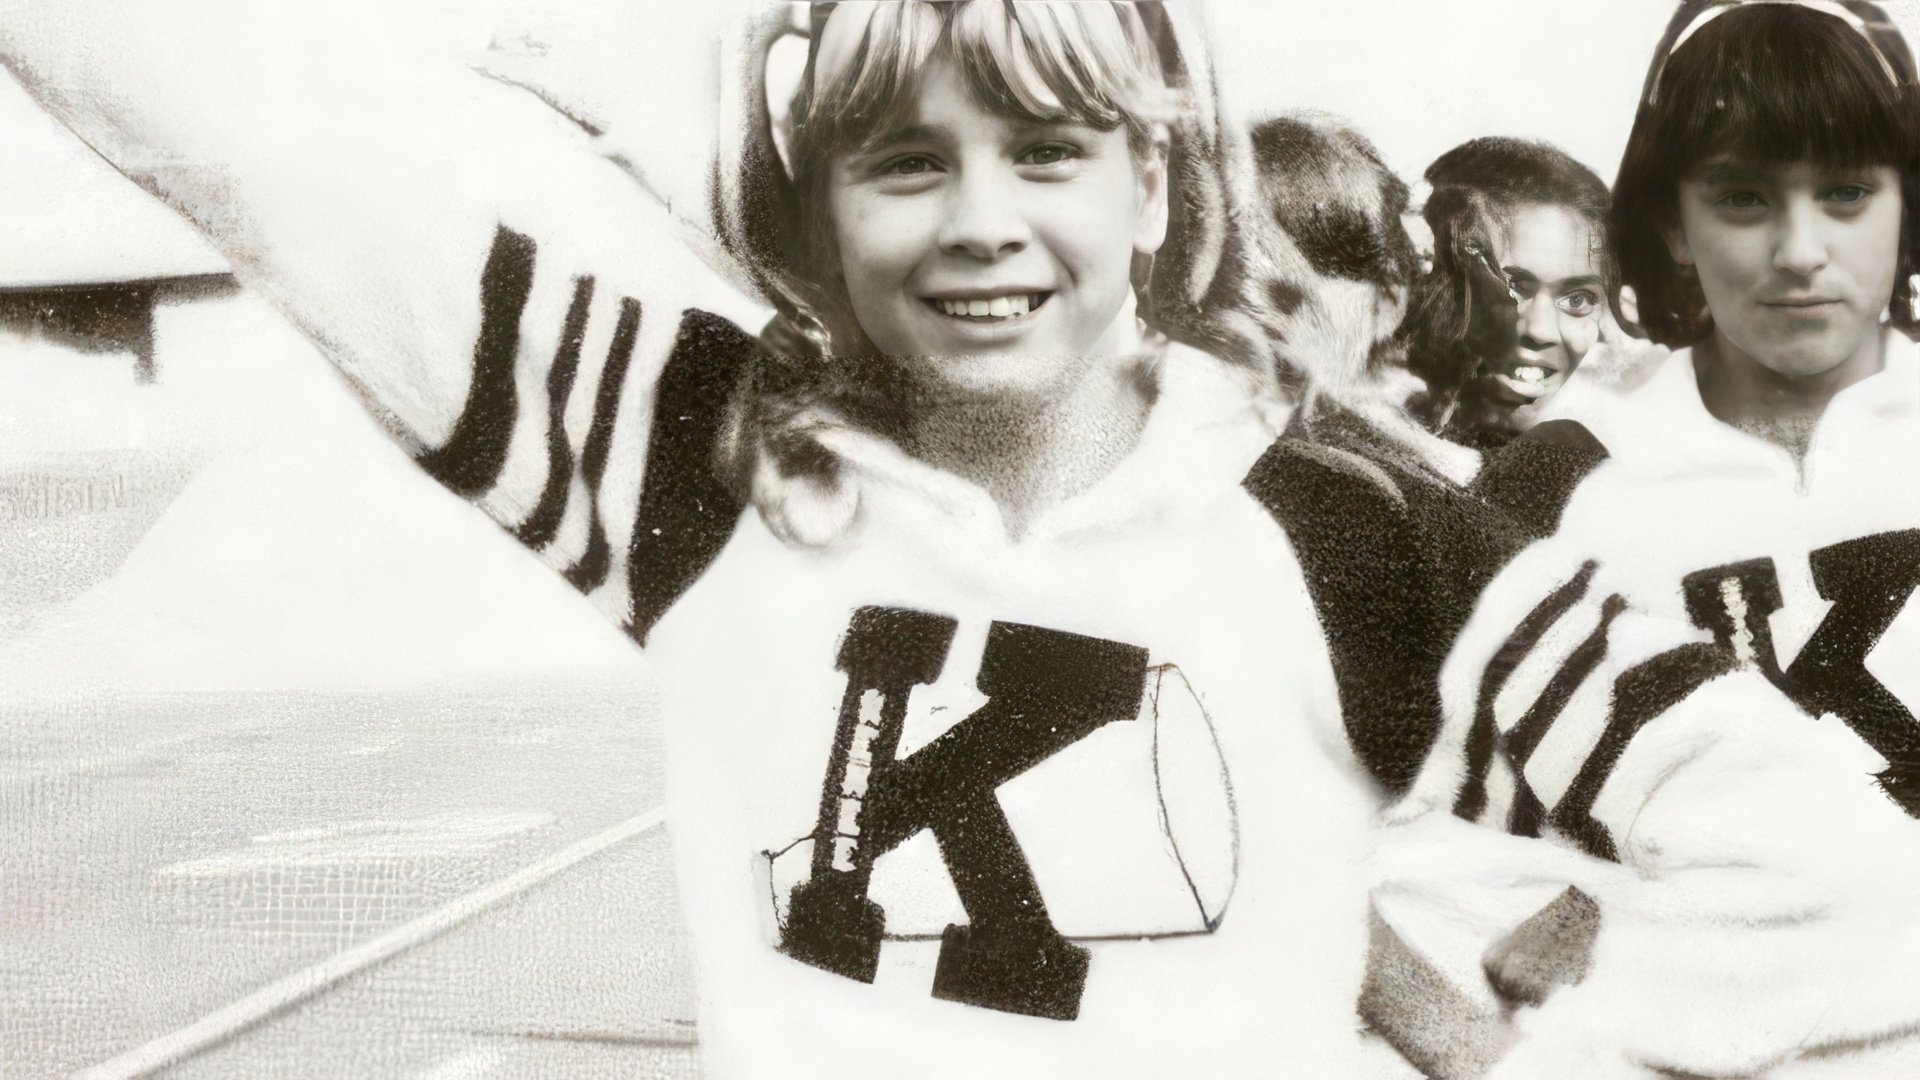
x=1808, y=369
x=990, y=374
x=1808, y=354
x=1801, y=363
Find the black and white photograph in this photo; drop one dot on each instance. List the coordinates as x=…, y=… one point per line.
x=964, y=539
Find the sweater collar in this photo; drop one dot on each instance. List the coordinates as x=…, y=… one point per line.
x=1206, y=428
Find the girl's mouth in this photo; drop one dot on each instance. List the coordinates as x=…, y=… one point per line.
x=1527, y=381
x=991, y=309
x=1805, y=309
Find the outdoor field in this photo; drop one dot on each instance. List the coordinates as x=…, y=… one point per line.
x=272, y=884
x=306, y=768
x=285, y=792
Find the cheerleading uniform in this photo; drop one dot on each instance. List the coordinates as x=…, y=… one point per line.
x=1705, y=682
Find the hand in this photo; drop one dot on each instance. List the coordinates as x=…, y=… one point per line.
x=1553, y=948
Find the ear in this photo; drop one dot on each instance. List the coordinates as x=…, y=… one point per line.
x=1150, y=229
x=1676, y=237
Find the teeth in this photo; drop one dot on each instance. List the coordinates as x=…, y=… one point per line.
x=1000, y=307
x=1530, y=373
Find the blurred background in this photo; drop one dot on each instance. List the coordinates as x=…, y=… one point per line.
x=267, y=693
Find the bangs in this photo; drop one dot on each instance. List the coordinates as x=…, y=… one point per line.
x=1777, y=84
x=1763, y=84
x=1039, y=61
x=1058, y=60
x=864, y=75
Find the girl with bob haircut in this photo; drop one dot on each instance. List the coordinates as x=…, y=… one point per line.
x=1003, y=739
x=1828, y=84
x=1695, y=703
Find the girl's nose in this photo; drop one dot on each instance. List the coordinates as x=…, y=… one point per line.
x=1800, y=245
x=983, y=220
x=1539, y=321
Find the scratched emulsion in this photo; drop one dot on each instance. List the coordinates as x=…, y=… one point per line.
x=167, y=855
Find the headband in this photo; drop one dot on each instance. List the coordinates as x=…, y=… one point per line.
x=1866, y=19
x=832, y=43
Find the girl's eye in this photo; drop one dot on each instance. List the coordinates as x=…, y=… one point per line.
x=1582, y=303
x=1048, y=154
x=909, y=165
x=1849, y=193
x=1740, y=200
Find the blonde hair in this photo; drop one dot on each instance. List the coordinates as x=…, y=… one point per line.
x=1042, y=61
x=1107, y=64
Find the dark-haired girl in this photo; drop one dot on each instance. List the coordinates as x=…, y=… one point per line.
x=1697, y=701
x=1521, y=285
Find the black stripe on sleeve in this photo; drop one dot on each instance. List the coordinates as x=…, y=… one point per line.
x=1532, y=727
x=537, y=531
x=1639, y=696
x=587, y=574
x=470, y=460
x=686, y=513
x=606, y=404
x=1524, y=738
x=1528, y=813
x=1481, y=739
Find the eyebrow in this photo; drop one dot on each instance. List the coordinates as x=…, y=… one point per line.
x=1727, y=172
x=932, y=133
x=912, y=133
x=1524, y=276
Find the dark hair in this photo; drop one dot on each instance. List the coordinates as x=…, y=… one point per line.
x=1477, y=186
x=1326, y=187
x=1315, y=204
x=1766, y=83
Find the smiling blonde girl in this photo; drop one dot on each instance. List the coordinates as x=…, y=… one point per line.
x=1006, y=741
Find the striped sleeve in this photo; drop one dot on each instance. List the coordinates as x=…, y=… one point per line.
x=1768, y=915
x=1734, y=843
x=1552, y=679
x=542, y=333
x=594, y=446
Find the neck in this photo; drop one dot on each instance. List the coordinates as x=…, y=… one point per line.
x=1031, y=452
x=1780, y=408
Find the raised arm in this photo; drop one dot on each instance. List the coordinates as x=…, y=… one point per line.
x=538, y=330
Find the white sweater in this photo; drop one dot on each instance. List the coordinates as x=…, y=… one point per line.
x=548, y=341
x=1207, y=846
x=1622, y=691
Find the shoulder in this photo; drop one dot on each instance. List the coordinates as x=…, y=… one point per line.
x=1532, y=479
x=1617, y=403
x=1621, y=392
x=1386, y=551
